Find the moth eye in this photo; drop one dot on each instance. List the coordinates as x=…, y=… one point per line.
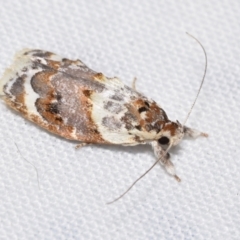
x=163, y=140
x=142, y=109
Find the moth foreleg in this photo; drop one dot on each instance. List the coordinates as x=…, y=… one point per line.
x=134, y=83
x=164, y=159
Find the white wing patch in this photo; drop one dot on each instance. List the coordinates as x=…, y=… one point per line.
x=23, y=67
x=108, y=118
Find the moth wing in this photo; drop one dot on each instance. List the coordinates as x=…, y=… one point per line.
x=69, y=99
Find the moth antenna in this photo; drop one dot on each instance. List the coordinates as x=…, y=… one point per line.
x=139, y=178
x=29, y=163
x=134, y=183
x=203, y=78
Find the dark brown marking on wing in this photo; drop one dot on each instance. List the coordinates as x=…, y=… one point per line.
x=87, y=93
x=49, y=111
x=64, y=89
x=53, y=64
x=153, y=119
x=66, y=106
x=156, y=113
x=138, y=127
x=99, y=76
x=142, y=109
x=58, y=96
x=53, y=108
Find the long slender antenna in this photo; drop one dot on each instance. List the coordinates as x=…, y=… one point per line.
x=134, y=182
x=144, y=174
x=203, y=78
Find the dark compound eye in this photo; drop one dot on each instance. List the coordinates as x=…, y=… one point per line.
x=163, y=140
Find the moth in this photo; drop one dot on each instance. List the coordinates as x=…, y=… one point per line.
x=70, y=100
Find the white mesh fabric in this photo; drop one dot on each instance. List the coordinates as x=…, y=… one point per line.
x=144, y=39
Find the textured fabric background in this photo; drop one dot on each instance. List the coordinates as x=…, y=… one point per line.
x=144, y=39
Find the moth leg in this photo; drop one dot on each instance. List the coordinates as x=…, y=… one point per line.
x=190, y=132
x=164, y=159
x=166, y=162
x=80, y=145
x=134, y=83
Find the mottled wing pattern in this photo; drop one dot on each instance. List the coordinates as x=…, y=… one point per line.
x=120, y=113
x=70, y=100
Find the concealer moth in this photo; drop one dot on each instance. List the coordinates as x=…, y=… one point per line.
x=70, y=100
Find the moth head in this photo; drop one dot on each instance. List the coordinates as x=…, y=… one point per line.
x=171, y=134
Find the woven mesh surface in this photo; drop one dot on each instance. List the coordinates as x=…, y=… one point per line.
x=144, y=39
